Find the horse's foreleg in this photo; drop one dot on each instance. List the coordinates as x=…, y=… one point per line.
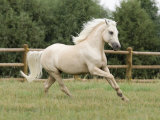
x=58, y=78
x=115, y=86
x=48, y=83
x=109, y=77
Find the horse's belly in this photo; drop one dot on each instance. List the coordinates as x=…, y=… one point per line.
x=74, y=70
x=72, y=66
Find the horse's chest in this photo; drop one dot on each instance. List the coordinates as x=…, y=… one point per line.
x=97, y=60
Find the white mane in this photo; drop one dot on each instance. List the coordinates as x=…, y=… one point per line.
x=87, y=29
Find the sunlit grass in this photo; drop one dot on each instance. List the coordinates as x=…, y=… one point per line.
x=91, y=101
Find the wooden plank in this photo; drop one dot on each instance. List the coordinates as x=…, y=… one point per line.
x=139, y=80
x=116, y=52
x=117, y=66
x=8, y=79
x=11, y=49
x=146, y=53
x=11, y=64
x=145, y=81
x=84, y=80
x=106, y=51
x=33, y=49
x=146, y=66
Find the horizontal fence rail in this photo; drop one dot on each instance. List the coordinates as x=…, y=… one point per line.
x=12, y=49
x=32, y=49
x=116, y=52
x=146, y=53
x=146, y=66
x=11, y=64
x=129, y=55
x=117, y=66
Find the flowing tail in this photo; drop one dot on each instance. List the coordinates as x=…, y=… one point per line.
x=35, y=67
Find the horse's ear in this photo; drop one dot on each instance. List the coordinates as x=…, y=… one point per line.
x=106, y=21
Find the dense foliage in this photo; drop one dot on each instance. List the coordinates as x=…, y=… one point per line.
x=137, y=28
x=40, y=23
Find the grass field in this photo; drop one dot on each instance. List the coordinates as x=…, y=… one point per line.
x=91, y=101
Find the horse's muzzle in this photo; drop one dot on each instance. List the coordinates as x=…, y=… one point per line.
x=116, y=46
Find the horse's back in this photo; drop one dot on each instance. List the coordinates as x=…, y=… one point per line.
x=50, y=55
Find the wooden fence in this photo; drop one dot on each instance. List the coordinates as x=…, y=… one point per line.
x=129, y=66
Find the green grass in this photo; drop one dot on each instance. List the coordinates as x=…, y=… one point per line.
x=91, y=101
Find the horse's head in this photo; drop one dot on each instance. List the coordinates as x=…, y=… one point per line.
x=110, y=34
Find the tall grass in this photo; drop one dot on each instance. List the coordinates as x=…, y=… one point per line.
x=91, y=101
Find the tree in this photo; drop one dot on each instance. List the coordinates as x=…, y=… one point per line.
x=67, y=18
x=137, y=30
x=41, y=23
x=17, y=28
x=150, y=7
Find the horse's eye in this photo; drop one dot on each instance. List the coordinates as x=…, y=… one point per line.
x=110, y=32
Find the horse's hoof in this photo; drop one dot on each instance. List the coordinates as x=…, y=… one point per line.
x=70, y=95
x=46, y=91
x=125, y=99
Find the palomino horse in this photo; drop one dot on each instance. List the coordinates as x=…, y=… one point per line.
x=86, y=56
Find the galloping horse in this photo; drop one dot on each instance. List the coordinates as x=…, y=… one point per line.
x=86, y=56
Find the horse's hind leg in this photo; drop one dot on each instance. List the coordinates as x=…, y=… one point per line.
x=58, y=78
x=48, y=83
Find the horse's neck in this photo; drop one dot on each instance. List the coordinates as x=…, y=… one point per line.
x=95, y=39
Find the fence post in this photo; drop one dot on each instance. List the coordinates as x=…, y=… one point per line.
x=25, y=68
x=129, y=64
